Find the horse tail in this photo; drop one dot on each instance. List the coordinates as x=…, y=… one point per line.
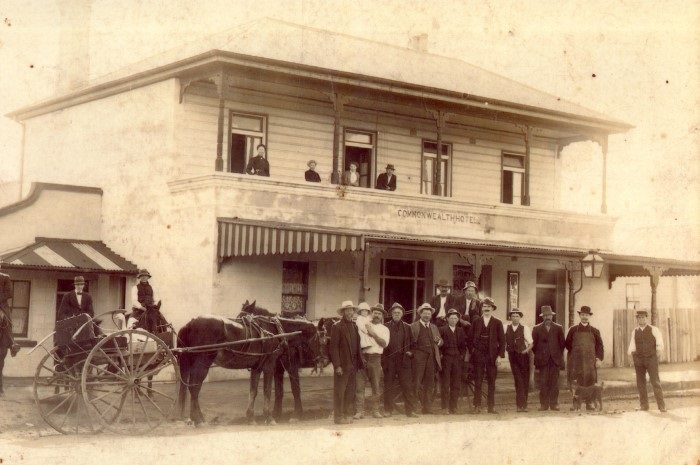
x=184, y=358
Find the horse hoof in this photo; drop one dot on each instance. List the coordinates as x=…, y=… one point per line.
x=252, y=422
x=293, y=420
x=271, y=422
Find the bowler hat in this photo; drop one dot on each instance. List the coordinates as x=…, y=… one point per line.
x=515, y=310
x=397, y=305
x=453, y=311
x=642, y=313
x=346, y=304
x=390, y=167
x=78, y=280
x=424, y=307
x=443, y=283
x=546, y=310
x=379, y=308
x=585, y=310
x=489, y=301
x=363, y=306
x=311, y=161
x=143, y=272
x=470, y=284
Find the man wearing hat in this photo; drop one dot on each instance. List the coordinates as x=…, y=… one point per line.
x=145, y=304
x=454, y=350
x=443, y=302
x=548, y=345
x=311, y=175
x=377, y=337
x=646, y=346
x=470, y=307
x=76, y=302
x=344, y=349
x=425, y=346
x=518, y=344
x=487, y=343
x=585, y=351
x=396, y=363
x=7, y=342
x=386, y=181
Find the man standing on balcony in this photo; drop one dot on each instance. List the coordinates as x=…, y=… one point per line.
x=258, y=165
x=585, y=351
x=646, y=346
x=443, y=302
x=386, y=181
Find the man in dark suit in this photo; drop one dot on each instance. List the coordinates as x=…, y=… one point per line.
x=454, y=350
x=7, y=342
x=396, y=364
x=470, y=305
x=548, y=347
x=76, y=302
x=584, y=350
x=347, y=359
x=443, y=302
x=488, y=343
x=386, y=181
x=425, y=343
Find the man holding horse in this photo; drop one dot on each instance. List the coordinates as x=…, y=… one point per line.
x=346, y=358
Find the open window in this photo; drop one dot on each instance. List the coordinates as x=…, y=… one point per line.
x=429, y=175
x=360, y=148
x=247, y=131
x=512, y=178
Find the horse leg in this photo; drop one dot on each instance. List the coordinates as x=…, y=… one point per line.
x=267, y=391
x=295, y=383
x=252, y=394
x=196, y=379
x=279, y=389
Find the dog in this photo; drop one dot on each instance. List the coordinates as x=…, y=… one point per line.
x=592, y=396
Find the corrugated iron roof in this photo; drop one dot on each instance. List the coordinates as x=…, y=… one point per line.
x=69, y=254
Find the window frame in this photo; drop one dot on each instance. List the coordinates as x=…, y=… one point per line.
x=635, y=298
x=446, y=158
x=305, y=284
x=25, y=333
x=522, y=171
x=371, y=176
x=247, y=133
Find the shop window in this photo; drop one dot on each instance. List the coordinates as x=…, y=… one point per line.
x=20, y=308
x=429, y=172
x=632, y=296
x=360, y=149
x=295, y=279
x=403, y=281
x=247, y=132
x=512, y=178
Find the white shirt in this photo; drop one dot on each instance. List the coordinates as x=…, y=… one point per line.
x=527, y=332
x=374, y=347
x=654, y=331
x=486, y=321
x=442, y=312
x=79, y=297
x=361, y=322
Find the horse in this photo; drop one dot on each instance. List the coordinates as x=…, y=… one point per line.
x=259, y=355
x=298, y=355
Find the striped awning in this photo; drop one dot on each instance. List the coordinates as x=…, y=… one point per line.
x=238, y=239
x=67, y=254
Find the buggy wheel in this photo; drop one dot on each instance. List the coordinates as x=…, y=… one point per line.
x=58, y=395
x=129, y=382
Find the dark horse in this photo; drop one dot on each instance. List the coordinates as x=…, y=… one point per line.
x=298, y=355
x=260, y=356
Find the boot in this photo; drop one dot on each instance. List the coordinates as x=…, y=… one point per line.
x=14, y=349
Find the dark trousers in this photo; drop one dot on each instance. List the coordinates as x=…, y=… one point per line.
x=424, y=378
x=343, y=393
x=642, y=366
x=398, y=376
x=450, y=381
x=549, y=385
x=3, y=354
x=520, y=367
x=484, y=366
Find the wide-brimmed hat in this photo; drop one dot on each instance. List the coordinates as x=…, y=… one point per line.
x=470, y=284
x=363, y=306
x=443, y=283
x=390, y=167
x=515, y=310
x=346, y=304
x=489, y=301
x=546, y=310
x=585, y=310
x=143, y=272
x=78, y=280
x=311, y=161
x=425, y=306
x=380, y=308
x=453, y=311
x=641, y=313
x=397, y=305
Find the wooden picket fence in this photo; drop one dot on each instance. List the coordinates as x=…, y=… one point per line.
x=680, y=328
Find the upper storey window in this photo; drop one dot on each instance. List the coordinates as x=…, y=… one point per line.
x=247, y=132
x=429, y=173
x=512, y=178
x=359, y=150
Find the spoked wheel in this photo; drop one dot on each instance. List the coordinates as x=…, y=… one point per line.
x=116, y=385
x=58, y=394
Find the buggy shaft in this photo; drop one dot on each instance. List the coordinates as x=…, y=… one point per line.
x=233, y=343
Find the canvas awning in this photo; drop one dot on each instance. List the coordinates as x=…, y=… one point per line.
x=69, y=255
x=245, y=239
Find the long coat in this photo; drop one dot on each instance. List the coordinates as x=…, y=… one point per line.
x=415, y=329
x=497, y=337
x=70, y=307
x=384, y=183
x=342, y=353
x=471, y=313
x=450, y=302
x=548, y=345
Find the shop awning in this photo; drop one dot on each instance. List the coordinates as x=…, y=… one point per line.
x=245, y=239
x=68, y=254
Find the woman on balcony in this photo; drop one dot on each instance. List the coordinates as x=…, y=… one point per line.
x=258, y=165
x=351, y=177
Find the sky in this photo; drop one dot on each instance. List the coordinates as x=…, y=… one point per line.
x=635, y=61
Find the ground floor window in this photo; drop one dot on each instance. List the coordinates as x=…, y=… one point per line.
x=403, y=281
x=632, y=296
x=20, y=307
x=295, y=279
